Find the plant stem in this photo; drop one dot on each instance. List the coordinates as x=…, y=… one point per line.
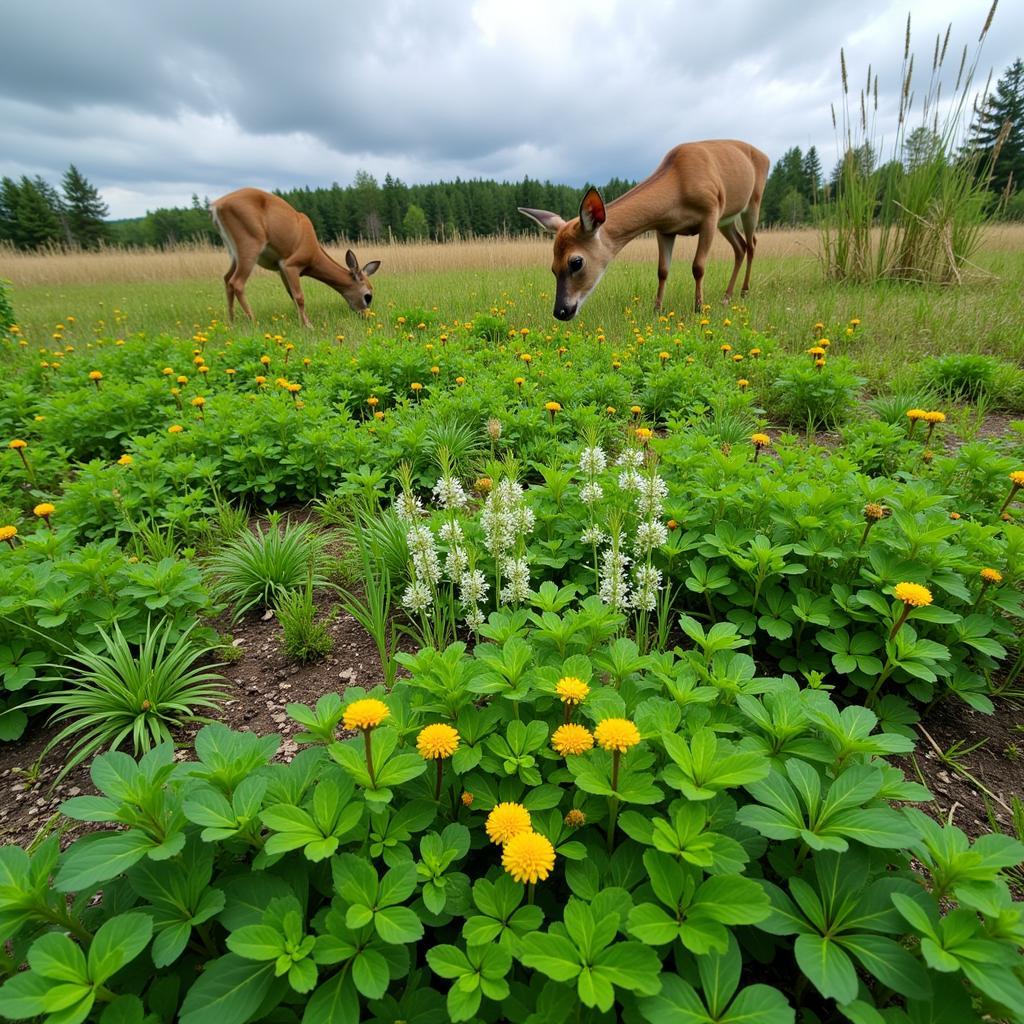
x=437, y=784
x=369, y=757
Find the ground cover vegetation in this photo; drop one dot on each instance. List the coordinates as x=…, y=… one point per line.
x=680, y=589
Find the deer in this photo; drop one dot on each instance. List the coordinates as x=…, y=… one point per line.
x=697, y=189
x=260, y=228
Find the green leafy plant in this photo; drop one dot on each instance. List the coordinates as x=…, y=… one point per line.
x=128, y=693
x=256, y=569
x=305, y=638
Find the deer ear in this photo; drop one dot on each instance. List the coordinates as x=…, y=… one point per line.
x=372, y=267
x=351, y=262
x=592, y=210
x=550, y=222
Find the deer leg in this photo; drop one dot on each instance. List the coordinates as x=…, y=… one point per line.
x=230, y=292
x=739, y=249
x=236, y=283
x=665, y=244
x=704, y=239
x=749, y=218
x=293, y=286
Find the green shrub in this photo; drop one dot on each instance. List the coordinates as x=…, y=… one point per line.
x=305, y=639
x=129, y=693
x=255, y=570
x=962, y=376
x=7, y=317
x=809, y=398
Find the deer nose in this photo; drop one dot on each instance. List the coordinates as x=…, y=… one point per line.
x=565, y=312
x=368, y=298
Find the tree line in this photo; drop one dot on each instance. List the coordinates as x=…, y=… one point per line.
x=34, y=213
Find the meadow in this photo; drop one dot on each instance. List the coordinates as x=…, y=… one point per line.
x=695, y=643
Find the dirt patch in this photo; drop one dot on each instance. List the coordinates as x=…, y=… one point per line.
x=259, y=686
x=995, y=766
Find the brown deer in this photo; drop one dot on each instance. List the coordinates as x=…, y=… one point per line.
x=698, y=188
x=259, y=227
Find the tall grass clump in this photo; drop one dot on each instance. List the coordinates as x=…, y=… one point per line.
x=918, y=217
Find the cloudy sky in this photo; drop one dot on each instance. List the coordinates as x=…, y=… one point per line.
x=156, y=100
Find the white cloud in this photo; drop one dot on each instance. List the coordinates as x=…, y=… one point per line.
x=153, y=102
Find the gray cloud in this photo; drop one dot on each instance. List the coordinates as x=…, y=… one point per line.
x=154, y=101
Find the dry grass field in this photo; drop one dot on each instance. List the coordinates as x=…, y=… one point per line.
x=190, y=262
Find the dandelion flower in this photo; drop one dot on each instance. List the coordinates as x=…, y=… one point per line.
x=437, y=741
x=575, y=818
x=934, y=417
x=365, y=714
x=761, y=440
x=528, y=857
x=617, y=734
x=1017, y=477
x=175, y=428
x=572, y=739
x=571, y=690
x=553, y=407
x=991, y=575
x=18, y=444
x=743, y=383
x=8, y=533
x=916, y=414
x=913, y=594
x=506, y=821
x=125, y=460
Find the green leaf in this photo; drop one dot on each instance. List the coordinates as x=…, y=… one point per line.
x=449, y=962
x=398, y=925
x=630, y=965
x=100, y=857
x=257, y=942
x=827, y=967
x=58, y=958
x=334, y=1002
x=370, y=973
x=116, y=943
x=553, y=955
x=229, y=991
x=760, y=1004
x=890, y=963
x=22, y=996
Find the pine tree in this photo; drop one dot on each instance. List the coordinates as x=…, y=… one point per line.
x=56, y=203
x=85, y=210
x=36, y=223
x=1004, y=106
x=813, y=176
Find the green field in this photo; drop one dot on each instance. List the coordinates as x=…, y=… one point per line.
x=696, y=646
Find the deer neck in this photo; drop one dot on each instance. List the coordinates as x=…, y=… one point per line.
x=323, y=268
x=631, y=215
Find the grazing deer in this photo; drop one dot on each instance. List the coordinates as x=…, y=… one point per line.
x=698, y=188
x=258, y=227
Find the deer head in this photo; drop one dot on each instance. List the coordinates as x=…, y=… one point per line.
x=358, y=294
x=581, y=252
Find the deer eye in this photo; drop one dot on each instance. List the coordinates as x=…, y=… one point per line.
x=575, y=264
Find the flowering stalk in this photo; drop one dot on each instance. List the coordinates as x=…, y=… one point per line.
x=368, y=744
x=1016, y=483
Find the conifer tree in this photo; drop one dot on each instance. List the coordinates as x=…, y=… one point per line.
x=1004, y=107
x=85, y=210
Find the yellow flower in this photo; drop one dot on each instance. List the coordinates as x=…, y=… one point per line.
x=506, y=821
x=617, y=734
x=175, y=428
x=643, y=434
x=913, y=594
x=44, y=510
x=874, y=511
x=571, y=690
x=575, y=818
x=125, y=460
x=761, y=440
x=373, y=401
x=415, y=386
x=293, y=388
x=435, y=370
x=1017, y=477
x=261, y=381
x=815, y=350
x=519, y=381
x=467, y=799
x=916, y=414
x=727, y=349
x=526, y=357
x=199, y=401
x=743, y=383
x=265, y=360
x=610, y=410
x=616, y=364
x=8, y=532
x=991, y=575
x=635, y=410
x=755, y=352
x=819, y=362
x=737, y=358
x=95, y=375
x=552, y=407
x=571, y=739
x=934, y=417
x=182, y=380
x=378, y=415
x=17, y=444
x=460, y=381
x=528, y=857
x=954, y=515
x=365, y=714
x=436, y=741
